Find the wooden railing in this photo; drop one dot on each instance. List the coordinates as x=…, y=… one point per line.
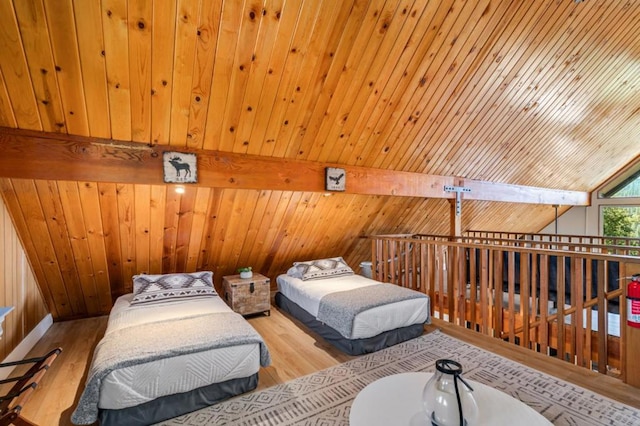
x=567, y=304
x=594, y=240
x=565, y=243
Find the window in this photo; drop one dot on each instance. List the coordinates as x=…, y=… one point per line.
x=626, y=186
x=621, y=226
x=621, y=221
x=620, y=208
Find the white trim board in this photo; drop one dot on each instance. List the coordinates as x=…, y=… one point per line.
x=21, y=351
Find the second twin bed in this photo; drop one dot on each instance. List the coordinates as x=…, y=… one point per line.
x=356, y=314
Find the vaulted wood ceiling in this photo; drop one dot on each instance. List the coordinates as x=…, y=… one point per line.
x=534, y=93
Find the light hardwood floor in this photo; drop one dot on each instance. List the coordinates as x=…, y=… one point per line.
x=295, y=352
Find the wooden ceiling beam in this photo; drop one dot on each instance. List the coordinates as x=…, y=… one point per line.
x=38, y=155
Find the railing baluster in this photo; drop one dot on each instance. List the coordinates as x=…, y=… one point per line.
x=544, y=304
x=475, y=281
x=527, y=303
x=473, y=288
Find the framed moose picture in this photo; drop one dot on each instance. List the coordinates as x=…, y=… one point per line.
x=179, y=167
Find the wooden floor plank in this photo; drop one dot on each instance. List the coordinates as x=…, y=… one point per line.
x=295, y=352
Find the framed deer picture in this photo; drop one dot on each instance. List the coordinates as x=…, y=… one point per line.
x=179, y=167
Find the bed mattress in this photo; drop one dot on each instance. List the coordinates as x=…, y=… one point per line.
x=138, y=384
x=369, y=323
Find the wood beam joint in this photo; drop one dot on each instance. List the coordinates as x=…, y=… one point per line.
x=458, y=190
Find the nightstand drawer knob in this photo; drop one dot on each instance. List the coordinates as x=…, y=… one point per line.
x=252, y=287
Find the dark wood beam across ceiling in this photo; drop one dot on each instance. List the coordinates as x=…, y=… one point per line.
x=53, y=156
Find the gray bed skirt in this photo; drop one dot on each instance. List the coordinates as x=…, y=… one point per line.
x=349, y=346
x=170, y=406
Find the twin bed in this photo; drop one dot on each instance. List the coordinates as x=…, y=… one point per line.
x=171, y=347
x=355, y=314
x=174, y=346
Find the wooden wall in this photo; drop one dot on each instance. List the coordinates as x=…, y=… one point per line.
x=536, y=93
x=89, y=239
x=18, y=288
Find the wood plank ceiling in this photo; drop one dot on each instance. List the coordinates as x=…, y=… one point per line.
x=540, y=93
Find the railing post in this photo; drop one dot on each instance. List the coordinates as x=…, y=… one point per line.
x=631, y=359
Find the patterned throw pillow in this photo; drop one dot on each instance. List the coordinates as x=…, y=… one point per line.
x=321, y=268
x=150, y=289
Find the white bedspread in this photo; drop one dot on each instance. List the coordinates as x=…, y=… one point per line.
x=307, y=295
x=135, y=385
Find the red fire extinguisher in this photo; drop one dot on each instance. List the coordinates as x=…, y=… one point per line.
x=633, y=301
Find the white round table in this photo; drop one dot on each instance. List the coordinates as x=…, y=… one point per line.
x=397, y=400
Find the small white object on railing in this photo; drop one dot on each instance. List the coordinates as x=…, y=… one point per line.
x=3, y=313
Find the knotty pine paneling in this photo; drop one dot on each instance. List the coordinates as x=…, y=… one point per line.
x=15, y=72
x=365, y=93
x=139, y=16
x=231, y=17
x=88, y=17
x=34, y=31
x=115, y=30
x=268, y=53
x=537, y=93
x=183, y=69
x=18, y=287
x=294, y=22
x=163, y=35
x=540, y=94
x=64, y=46
x=89, y=239
x=6, y=114
x=205, y=57
x=243, y=58
x=318, y=78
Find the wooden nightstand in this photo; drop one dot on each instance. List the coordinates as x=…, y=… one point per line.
x=247, y=296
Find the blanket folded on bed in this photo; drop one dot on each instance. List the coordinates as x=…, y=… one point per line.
x=164, y=339
x=338, y=310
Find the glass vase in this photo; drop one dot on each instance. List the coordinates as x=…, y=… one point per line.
x=447, y=394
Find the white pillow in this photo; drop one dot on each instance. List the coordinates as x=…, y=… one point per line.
x=152, y=289
x=320, y=268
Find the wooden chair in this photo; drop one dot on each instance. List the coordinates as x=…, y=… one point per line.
x=12, y=403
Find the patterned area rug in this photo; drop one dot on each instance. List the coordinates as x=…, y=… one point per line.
x=325, y=397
